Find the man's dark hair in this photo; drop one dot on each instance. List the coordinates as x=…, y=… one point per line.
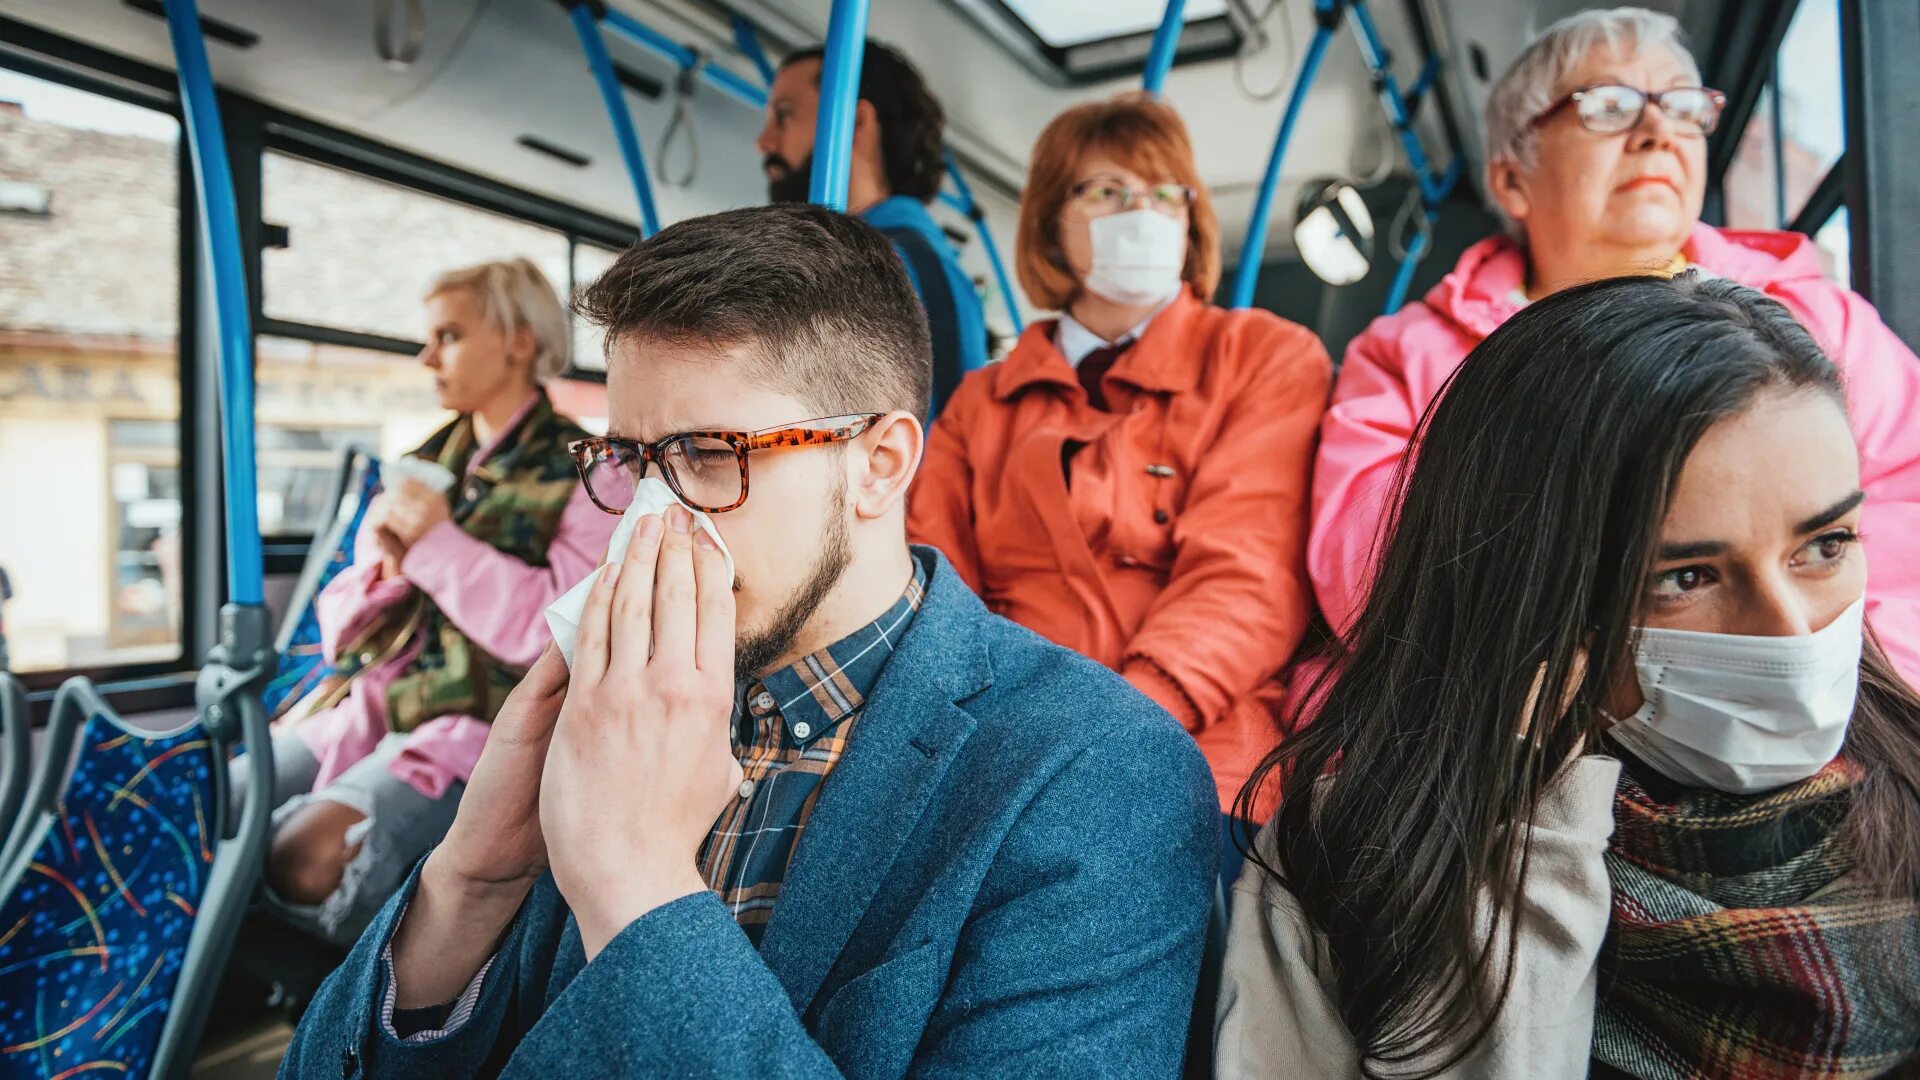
x=819, y=297
x=912, y=123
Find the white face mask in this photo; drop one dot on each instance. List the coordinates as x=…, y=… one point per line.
x=1744, y=714
x=1137, y=257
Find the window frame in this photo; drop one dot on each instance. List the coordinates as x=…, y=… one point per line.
x=253, y=128
x=1750, y=48
x=37, y=54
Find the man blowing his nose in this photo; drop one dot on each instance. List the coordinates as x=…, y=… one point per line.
x=828, y=817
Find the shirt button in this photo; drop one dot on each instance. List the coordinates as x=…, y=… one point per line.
x=763, y=700
x=1161, y=517
x=746, y=789
x=802, y=729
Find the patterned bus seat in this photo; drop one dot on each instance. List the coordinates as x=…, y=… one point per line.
x=114, y=857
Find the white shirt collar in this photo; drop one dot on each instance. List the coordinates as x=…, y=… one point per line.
x=1075, y=341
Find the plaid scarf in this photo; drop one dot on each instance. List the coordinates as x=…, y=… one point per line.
x=1740, y=945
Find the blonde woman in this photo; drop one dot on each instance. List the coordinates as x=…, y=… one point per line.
x=440, y=615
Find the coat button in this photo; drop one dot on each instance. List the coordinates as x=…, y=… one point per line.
x=1161, y=517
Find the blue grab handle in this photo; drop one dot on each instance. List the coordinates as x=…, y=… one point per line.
x=615, y=98
x=1166, y=42
x=966, y=204
x=846, y=48
x=1247, y=273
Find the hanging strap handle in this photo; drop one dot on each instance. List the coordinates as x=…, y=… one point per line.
x=683, y=85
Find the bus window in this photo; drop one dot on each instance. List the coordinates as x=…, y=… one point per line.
x=1812, y=121
x=589, y=262
x=90, y=506
x=1797, y=130
x=359, y=256
x=313, y=400
x=360, y=252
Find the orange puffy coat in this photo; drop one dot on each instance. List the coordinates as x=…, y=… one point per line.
x=1177, y=552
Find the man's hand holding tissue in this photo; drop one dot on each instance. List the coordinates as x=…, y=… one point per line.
x=641, y=762
x=613, y=776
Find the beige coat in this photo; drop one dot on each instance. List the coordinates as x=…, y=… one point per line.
x=1278, y=1017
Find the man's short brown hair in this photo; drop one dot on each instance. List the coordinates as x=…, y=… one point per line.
x=819, y=300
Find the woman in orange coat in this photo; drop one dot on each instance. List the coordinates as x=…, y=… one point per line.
x=1132, y=480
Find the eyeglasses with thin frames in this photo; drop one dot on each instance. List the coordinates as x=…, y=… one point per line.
x=706, y=469
x=1098, y=196
x=1609, y=109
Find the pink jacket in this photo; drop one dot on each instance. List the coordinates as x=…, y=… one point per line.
x=493, y=598
x=1394, y=370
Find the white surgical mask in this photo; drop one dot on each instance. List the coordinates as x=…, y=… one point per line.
x=1137, y=257
x=1744, y=714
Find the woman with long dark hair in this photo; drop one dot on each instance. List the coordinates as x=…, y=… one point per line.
x=1612, y=775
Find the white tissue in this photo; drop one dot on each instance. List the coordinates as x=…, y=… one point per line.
x=421, y=471
x=652, y=497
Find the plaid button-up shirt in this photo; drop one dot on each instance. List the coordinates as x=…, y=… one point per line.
x=790, y=729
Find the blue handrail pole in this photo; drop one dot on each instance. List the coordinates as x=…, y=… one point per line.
x=646, y=36
x=1435, y=186
x=1000, y=277
x=846, y=49
x=220, y=228
x=1166, y=42
x=746, y=38
x=616, y=100
x=733, y=85
x=1247, y=273
x=970, y=206
x=1403, y=277
x=1374, y=53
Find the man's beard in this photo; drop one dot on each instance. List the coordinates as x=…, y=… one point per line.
x=755, y=653
x=790, y=183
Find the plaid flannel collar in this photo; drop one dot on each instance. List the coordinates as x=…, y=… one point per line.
x=821, y=690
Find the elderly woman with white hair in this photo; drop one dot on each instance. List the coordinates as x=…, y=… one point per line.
x=474, y=534
x=1596, y=142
